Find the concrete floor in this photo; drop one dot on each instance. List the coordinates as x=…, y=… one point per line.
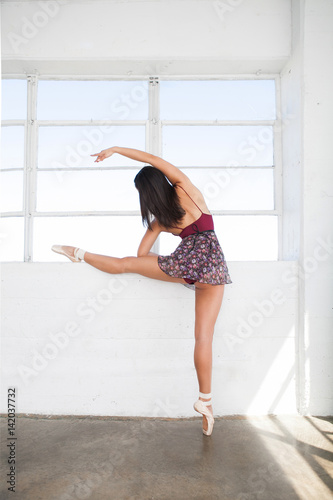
x=246, y=458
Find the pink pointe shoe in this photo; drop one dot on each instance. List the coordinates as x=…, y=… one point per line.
x=201, y=407
x=78, y=253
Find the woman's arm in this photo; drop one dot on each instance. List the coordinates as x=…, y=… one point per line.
x=170, y=171
x=149, y=239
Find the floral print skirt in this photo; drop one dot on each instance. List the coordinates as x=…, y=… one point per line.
x=199, y=257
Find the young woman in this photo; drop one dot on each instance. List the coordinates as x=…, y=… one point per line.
x=170, y=202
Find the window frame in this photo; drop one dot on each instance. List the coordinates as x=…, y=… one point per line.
x=153, y=144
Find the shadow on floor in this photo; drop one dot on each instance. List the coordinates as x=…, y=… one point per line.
x=96, y=458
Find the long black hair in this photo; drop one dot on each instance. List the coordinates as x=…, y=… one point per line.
x=158, y=198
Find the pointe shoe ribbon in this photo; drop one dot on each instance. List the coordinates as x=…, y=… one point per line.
x=78, y=253
x=201, y=407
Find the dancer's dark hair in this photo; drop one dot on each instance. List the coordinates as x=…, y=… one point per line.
x=158, y=198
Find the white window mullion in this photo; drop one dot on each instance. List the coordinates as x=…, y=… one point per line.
x=154, y=115
x=154, y=135
x=69, y=213
x=30, y=166
x=90, y=123
x=278, y=172
x=222, y=123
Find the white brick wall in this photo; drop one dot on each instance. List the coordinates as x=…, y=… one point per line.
x=131, y=353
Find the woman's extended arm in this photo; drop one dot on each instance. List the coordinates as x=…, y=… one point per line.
x=170, y=171
x=149, y=239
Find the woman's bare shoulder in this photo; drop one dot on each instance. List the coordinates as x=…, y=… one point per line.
x=194, y=193
x=157, y=226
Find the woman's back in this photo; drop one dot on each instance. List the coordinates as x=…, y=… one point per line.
x=194, y=205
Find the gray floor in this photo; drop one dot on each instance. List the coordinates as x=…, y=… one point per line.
x=265, y=458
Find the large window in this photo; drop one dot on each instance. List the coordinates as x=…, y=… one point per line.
x=224, y=134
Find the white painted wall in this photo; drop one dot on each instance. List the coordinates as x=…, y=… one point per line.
x=78, y=341
x=272, y=350
x=316, y=292
x=144, y=37
x=307, y=105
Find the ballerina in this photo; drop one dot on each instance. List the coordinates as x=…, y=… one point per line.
x=170, y=203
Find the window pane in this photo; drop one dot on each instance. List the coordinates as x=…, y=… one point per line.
x=12, y=147
x=218, y=100
x=235, y=188
x=13, y=99
x=12, y=239
x=116, y=235
x=71, y=147
x=218, y=145
x=92, y=100
x=248, y=237
x=11, y=191
x=84, y=191
x=168, y=243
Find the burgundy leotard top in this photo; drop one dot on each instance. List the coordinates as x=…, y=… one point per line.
x=204, y=223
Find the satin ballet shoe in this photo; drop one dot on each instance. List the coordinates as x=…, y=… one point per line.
x=201, y=407
x=78, y=253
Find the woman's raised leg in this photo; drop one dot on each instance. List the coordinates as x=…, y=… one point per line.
x=146, y=265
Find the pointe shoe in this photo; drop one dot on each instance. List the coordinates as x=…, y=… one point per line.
x=78, y=253
x=201, y=407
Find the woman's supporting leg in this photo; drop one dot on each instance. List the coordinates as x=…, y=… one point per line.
x=208, y=300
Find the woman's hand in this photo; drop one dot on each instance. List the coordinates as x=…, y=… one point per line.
x=104, y=154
